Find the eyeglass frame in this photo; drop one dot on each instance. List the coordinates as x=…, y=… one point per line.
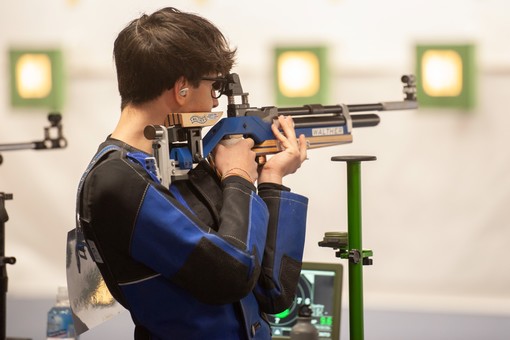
x=220, y=82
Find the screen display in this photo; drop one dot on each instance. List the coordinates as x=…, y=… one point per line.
x=321, y=289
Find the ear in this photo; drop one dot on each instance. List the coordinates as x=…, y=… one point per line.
x=180, y=90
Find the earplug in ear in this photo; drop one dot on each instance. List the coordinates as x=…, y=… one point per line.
x=183, y=92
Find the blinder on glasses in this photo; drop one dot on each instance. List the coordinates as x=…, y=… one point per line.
x=219, y=86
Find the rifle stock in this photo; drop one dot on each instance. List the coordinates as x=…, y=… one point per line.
x=178, y=144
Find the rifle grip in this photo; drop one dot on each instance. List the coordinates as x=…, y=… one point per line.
x=261, y=160
x=232, y=139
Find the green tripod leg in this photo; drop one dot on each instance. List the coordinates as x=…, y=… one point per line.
x=350, y=243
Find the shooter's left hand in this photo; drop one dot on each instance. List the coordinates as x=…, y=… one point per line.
x=288, y=160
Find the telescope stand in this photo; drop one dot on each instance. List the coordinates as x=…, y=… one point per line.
x=3, y=263
x=49, y=142
x=349, y=244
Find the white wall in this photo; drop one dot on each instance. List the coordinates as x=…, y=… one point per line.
x=435, y=203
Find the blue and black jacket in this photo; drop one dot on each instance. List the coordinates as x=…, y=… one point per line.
x=203, y=259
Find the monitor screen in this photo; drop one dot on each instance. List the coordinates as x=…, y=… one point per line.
x=320, y=286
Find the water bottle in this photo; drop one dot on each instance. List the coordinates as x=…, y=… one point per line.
x=303, y=329
x=60, y=319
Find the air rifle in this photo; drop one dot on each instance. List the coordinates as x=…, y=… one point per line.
x=178, y=144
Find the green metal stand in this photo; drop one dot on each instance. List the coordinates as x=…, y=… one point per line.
x=349, y=244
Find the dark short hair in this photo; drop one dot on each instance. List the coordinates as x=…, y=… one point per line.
x=155, y=50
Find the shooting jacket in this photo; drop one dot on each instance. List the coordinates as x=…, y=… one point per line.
x=203, y=259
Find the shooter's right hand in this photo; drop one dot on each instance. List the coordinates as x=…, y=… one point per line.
x=234, y=157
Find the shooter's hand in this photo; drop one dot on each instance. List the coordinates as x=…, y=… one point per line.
x=290, y=158
x=235, y=158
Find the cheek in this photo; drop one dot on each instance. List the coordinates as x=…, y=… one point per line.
x=199, y=101
x=205, y=102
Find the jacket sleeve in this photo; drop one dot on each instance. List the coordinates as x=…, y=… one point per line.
x=281, y=265
x=143, y=231
x=216, y=266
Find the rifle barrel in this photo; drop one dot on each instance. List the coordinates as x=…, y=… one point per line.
x=328, y=109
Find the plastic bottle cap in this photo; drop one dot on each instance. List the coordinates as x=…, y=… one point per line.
x=62, y=294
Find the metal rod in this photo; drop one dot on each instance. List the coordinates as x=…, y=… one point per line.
x=3, y=270
x=355, y=244
x=356, y=321
x=17, y=146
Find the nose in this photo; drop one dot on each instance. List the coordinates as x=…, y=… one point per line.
x=215, y=103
